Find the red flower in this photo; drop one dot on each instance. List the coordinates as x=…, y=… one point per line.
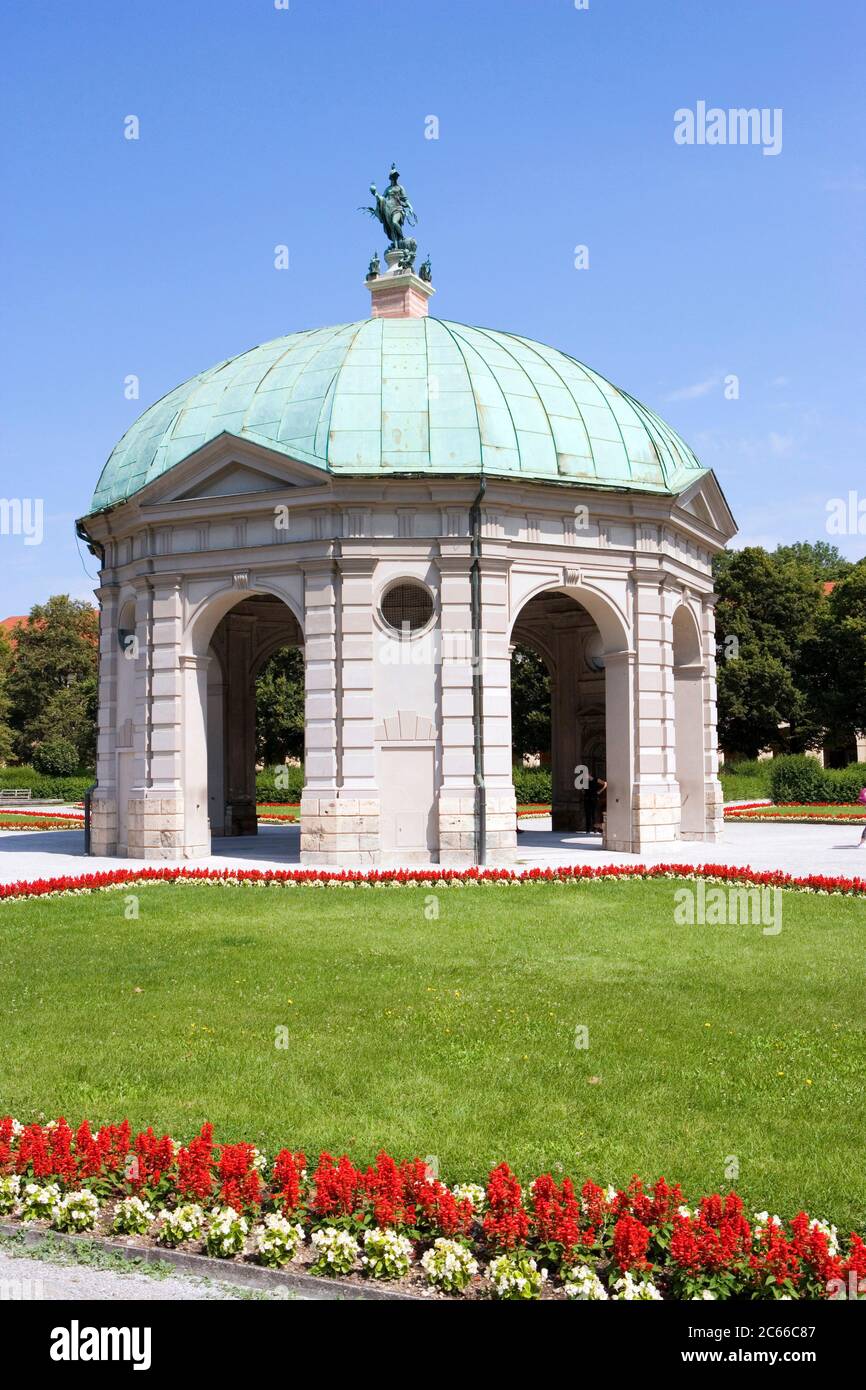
x=287, y=1177
x=506, y=1224
x=195, y=1165
x=241, y=1184
x=630, y=1241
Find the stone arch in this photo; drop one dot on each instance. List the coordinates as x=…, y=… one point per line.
x=613, y=692
x=688, y=669
x=219, y=711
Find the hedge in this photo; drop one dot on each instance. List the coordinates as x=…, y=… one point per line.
x=290, y=788
x=796, y=777
x=43, y=786
x=532, y=785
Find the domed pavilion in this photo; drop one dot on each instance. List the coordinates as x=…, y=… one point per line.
x=405, y=499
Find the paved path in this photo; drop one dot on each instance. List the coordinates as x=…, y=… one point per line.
x=24, y=1278
x=796, y=849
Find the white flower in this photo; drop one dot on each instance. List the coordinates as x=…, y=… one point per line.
x=38, y=1203
x=449, y=1265
x=516, y=1276
x=386, y=1253
x=226, y=1232
x=831, y=1232
x=470, y=1192
x=77, y=1211
x=10, y=1190
x=583, y=1283
x=183, y=1223
x=132, y=1217
x=337, y=1251
x=635, y=1290
x=706, y=1297
x=278, y=1240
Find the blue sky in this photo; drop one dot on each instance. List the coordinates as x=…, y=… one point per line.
x=261, y=126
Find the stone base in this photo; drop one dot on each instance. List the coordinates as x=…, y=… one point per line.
x=103, y=826
x=457, y=841
x=340, y=830
x=155, y=830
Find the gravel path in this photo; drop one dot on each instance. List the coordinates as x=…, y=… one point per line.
x=23, y=1277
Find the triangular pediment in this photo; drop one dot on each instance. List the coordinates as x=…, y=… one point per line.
x=234, y=479
x=705, y=502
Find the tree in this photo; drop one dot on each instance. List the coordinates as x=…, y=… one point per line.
x=280, y=707
x=6, y=733
x=530, y=704
x=824, y=559
x=768, y=609
x=835, y=656
x=52, y=683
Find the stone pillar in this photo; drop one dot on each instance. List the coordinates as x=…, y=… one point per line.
x=619, y=692
x=240, y=725
x=457, y=789
x=567, y=810
x=457, y=799
x=655, y=792
x=103, y=809
x=340, y=801
x=715, y=800
x=156, y=804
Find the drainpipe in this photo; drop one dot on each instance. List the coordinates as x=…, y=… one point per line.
x=96, y=548
x=477, y=683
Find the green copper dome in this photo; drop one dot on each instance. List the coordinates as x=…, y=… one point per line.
x=409, y=396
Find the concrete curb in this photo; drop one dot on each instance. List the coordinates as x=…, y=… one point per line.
x=246, y=1276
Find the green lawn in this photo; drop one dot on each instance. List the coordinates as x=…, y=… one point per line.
x=456, y=1037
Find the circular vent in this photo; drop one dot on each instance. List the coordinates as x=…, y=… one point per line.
x=407, y=607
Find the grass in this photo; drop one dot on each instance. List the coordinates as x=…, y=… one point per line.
x=456, y=1036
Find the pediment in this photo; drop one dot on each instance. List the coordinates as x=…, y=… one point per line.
x=705, y=502
x=234, y=479
x=229, y=467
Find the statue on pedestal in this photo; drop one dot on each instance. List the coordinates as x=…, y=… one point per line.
x=393, y=209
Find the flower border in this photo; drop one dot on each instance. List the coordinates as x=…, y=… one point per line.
x=430, y=877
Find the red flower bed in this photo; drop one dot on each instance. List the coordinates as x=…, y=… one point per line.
x=428, y=877
x=646, y=1232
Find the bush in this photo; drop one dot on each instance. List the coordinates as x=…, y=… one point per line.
x=289, y=788
x=800, y=778
x=57, y=757
x=44, y=787
x=748, y=780
x=532, y=785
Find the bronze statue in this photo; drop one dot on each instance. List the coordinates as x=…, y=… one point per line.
x=425, y=271
x=374, y=267
x=393, y=209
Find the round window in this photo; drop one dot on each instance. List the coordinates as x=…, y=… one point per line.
x=407, y=607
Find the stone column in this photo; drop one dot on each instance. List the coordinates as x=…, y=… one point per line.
x=655, y=793
x=103, y=809
x=156, y=804
x=457, y=799
x=340, y=801
x=240, y=724
x=715, y=799
x=567, y=811
x=619, y=693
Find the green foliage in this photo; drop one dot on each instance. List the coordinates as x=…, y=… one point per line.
x=767, y=611
x=825, y=560
x=835, y=655
x=530, y=703
x=51, y=685
x=41, y=786
x=6, y=733
x=56, y=757
x=283, y=783
x=746, y=780
x=280, y=707
x=531, y=785
x=804, y=779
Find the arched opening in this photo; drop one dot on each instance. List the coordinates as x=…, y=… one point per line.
x=252, y=643
x=241, y=643
x=689, y=723
x=556, y=633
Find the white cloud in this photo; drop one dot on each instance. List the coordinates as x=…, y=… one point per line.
x=692, y=393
